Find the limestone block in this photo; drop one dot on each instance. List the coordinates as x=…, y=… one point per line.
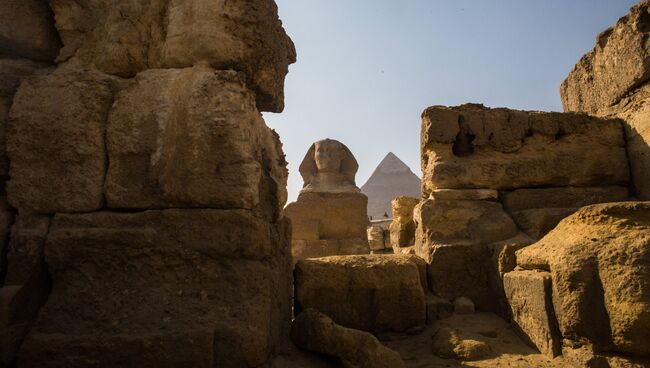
x=314, y=331
x=27, y=30
x=12, y=72
x=466, y=194
x=635, y=111
x=561, y=197
x=529, y=297
x=616, y=66
x=598, y=259
x=377, y=238
x=473, y=147
x=453, y=237
x=502, y=259
x=130, y=37
x=537, y=222
x=340, y=215
x=303, y=249
x=128, y=287
x=462, y=222
x=55, y=141
x=402, y=229
x=373, y=293
x=192, y=138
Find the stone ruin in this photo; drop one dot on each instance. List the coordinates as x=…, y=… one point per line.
x=527, y=217
x=144, y=188
x=142, y=223
x=330, y=216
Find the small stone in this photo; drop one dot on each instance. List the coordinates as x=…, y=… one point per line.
x=449, y=345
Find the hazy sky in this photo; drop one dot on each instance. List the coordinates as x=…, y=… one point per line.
x=367, y=68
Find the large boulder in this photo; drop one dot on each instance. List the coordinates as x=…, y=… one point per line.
x=372, y=293
x=452, y=236
x=441, y=222
x=616, y=66
x=314, y=331
x=538, y=210
x=56, y=141
x=126, y=38
x=471, y=146
x=599, y=261
x=334, y=215
x=327, y=224
x=612, y=80
x=192, y=138
x=12, y=73
x=129, y=289
x=27, y=30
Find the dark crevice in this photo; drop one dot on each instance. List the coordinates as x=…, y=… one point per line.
x=463, y=144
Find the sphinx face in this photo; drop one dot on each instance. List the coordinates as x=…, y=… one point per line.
x=328, y=156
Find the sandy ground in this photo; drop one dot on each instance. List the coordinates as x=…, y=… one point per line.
x=508, y=349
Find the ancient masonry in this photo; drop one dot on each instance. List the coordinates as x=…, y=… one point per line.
x=141, y=214
x=528, y=215
x=140, y=171
x=330, y=216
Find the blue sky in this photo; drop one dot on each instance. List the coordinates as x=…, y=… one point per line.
x=367, y=68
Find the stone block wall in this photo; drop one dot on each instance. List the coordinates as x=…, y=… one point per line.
x=497, y=179
x=613, y=80
x=146, y=188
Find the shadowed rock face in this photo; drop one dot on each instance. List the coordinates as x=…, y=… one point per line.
x=148, y=188
x=131, y=36
x=614, y=80
x=391, y=179
x=599, y=261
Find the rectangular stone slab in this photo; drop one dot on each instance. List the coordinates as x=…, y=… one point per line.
x=192, y=138
x=529, y=295
x=55, y=141
x=473, y=147
x=373, y=293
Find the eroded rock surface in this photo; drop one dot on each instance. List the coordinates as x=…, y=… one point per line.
x=117, y=291
x=314, y=331
x=126, y=39
x=613, y=80
x=197, y=142
x=372, y=293
x=471, y=146
x=598, y=260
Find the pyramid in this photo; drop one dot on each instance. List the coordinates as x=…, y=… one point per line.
x=392, y=178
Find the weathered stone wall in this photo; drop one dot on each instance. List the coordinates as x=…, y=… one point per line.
x=497, y=179
x=147, y=187
x=598, y=260
x=614, y=80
